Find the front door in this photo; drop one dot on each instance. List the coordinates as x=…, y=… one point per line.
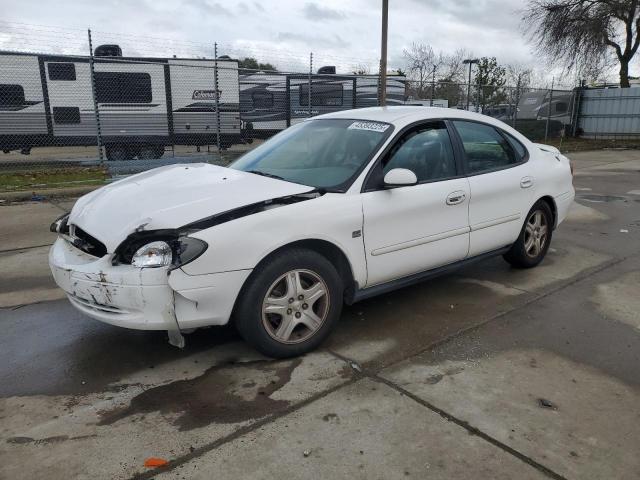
x=418, y=227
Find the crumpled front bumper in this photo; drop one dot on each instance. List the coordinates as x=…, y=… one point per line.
x=121, y=295
x=144, y=298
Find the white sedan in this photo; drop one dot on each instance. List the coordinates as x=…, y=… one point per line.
x=336, y=209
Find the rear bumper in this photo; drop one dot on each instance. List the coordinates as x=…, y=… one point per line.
x=143, y=298
x=563, y=203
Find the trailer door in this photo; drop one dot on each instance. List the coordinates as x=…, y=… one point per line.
x=70, y=102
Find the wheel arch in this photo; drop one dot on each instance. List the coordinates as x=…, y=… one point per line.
x=549, y=200
x=327, y=249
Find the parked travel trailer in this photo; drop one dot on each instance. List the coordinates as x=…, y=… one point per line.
x=436, y=102
x=535, y=106
x=144, y=104
x=271, y=101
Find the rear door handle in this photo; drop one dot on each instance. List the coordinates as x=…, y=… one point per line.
x=454, y=198
x=526, y=182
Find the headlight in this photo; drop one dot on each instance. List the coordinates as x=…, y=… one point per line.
x=163, y=253
x=154, y=254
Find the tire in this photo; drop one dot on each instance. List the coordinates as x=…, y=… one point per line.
x=282, y=310
x=534, y=239
x=147, y=152
x=116, y=153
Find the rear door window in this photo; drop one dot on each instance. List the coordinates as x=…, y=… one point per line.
x=485, y=148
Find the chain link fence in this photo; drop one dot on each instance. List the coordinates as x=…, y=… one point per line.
x=92, y=113
x=537, y=113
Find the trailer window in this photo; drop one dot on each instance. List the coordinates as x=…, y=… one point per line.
x=561, y=107
x=262, y=99
x=11, y=96
x=322, y=95
x=62, y=71
x=123, y=87
x=66, y=115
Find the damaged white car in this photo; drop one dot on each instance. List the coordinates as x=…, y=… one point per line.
x=336, y=209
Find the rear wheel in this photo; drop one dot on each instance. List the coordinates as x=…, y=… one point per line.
x=150, y=152
x=535, y=237
x=118, y=153
x=290, y=303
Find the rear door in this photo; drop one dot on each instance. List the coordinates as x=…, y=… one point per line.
x=418, y=227
x=500, y=180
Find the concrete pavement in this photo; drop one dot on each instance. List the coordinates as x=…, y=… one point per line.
x=489, y=373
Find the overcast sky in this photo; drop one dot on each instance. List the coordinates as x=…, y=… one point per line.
x=342, y=32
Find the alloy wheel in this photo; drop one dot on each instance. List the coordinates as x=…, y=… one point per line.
x=535, y=233
x=295, y=306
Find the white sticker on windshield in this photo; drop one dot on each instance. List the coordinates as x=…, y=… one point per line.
x=371, y=126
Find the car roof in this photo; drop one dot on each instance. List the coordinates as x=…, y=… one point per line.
x=406, y=114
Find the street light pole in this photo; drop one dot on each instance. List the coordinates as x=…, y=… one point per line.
x=470, y=61
x=383, y=54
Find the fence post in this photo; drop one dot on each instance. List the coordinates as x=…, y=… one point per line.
x=217, y=98
x=546, y=127
x=96, y=110
x=433, y=85
x=310, y=72
x=515, y=108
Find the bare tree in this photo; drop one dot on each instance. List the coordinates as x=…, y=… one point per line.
x=453, y=70
x=361, y=69
x=422, y=65
x=519, y=75
x=584, y=33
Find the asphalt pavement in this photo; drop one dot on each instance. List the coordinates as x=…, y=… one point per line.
x=489, y=373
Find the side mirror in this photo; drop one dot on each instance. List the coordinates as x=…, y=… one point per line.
x=400, y=177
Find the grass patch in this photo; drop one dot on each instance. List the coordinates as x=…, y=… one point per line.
x=52, y=178
x=573, y=144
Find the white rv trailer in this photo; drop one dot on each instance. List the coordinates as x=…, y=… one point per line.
x=270, y=102
x=535, y=106
x=144, y=104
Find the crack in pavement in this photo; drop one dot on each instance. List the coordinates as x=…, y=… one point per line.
x=359, y=373
x=10, y=250
x=198, y=452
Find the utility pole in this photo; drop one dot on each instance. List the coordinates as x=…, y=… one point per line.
x=383, y=54
x=469, y=61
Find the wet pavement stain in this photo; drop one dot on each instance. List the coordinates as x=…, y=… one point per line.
x=592, y=197
x=229, y=393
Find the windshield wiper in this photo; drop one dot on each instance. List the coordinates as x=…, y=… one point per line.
x=265, y=174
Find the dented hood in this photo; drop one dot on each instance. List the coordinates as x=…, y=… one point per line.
x=171, y=197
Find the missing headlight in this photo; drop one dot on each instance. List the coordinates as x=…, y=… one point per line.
x=60, y=225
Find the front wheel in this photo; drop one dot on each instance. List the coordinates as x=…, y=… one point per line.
x=290, y=303
x=532, y=244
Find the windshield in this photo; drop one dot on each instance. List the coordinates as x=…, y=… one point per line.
x=319, y=153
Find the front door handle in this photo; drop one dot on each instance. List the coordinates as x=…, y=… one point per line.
x=455, y=198
x=526, y=182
